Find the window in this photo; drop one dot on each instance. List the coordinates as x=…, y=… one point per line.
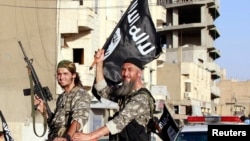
x=187, y=87
x=78, y=55
x=81, y=2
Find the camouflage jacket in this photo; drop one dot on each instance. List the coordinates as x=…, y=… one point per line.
x=136, y=107
x=71, y=106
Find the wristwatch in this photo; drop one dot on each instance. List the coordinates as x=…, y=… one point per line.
x=67, y=136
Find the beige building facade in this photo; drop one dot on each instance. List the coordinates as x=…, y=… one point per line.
x=49, y=32
x=190, y=71
x=183, y=77
x=34, y=23
x=235, y=97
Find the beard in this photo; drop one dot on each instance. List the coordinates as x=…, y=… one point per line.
x=125, y=89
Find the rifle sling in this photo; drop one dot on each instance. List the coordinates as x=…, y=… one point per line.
x=33, y=108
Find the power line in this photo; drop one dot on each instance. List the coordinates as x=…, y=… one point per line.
x=38, y=7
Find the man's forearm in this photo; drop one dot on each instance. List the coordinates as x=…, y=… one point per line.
x=74, y=127
x=99, y=132
x=99, y=72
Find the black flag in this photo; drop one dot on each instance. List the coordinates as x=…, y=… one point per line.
x=134, y=36
x=6, y=131
x=168, y=126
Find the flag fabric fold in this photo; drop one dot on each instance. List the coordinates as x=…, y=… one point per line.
x=134, y=36
x=168, y=126
x=6, y=131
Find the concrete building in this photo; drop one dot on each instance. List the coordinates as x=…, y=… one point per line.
x=190, y=71
x=49, y=32
x=35, y=25
x=235, y=97
x=184, y=76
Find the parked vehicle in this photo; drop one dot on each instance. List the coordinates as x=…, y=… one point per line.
x=197, y=127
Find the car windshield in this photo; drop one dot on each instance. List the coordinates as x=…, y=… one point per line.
x=192, y=136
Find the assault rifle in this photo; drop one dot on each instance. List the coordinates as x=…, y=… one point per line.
x=42, y=92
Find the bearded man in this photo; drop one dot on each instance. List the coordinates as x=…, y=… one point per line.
x=135, y=102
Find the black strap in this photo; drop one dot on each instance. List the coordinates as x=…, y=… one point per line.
x=152, y=106
x=149, y=95
x=67, y=136
x=134, y=131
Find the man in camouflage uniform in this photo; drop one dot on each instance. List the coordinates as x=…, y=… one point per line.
x=135, y=102
x=72, y=106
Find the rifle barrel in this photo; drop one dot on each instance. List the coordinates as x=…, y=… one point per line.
x=38, y=87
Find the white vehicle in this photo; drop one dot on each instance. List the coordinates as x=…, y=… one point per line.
x=197, y=127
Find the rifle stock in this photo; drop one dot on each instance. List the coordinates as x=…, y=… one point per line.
x=42, y=92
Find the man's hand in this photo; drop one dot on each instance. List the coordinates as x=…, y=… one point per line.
x=39, y=104
x=99, y=55
x=60, y=139
x=82, y=137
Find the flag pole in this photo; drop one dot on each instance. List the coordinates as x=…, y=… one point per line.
x=119, y=22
